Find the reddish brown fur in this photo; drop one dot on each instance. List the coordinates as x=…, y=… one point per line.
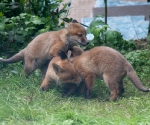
x=59, y=72
x=107, y=64
x=45, y=46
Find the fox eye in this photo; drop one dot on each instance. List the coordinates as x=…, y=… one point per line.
x=80, y=35
x=72, y=78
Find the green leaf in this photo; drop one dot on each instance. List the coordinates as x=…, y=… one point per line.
x=29, y=28
x=23, y=14
x=2, y=26
x=2, y=6
x=26, y=22
x=1, y=14
x=19, y=38
x=36, y=21
x=54, y=6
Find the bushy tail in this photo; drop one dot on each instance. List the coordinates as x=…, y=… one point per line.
x=16, y=58
x=135, y=79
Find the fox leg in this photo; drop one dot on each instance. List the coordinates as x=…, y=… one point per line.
x=121, y=88
x=43, y=70
x=114, y=92
x=89, y=81
x=81, y=88
x=113, y=87
x=69, y=89
x=29, y=66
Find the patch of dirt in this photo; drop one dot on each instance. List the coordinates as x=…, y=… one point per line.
x=142, y=43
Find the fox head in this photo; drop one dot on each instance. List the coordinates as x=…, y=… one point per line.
x=65, y=69
x=61, y=71
x=66, y=72
x=76, y=34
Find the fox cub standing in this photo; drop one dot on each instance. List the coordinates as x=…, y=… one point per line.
x=108, y=64
x=45, y=46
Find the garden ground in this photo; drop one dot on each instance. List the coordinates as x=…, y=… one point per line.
x=22, y=103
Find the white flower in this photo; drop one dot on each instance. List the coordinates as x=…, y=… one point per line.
x=90, y=36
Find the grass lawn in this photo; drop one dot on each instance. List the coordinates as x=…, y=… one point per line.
x=21, y=103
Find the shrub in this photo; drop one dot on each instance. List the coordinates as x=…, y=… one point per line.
x=139, y=59
x=105, y=37
x=19, y=28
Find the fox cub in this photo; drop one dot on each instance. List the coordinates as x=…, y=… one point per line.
x=45, y=46
x=105, y=63
x=58, y=72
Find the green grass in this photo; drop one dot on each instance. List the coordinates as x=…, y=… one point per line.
x=21, y=103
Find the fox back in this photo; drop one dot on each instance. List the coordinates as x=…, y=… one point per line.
x=109, y=65
x=100, y=60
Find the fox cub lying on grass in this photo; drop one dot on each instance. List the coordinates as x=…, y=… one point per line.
x=99, y=62
x=45, y=46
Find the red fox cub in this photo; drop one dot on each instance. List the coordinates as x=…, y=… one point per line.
x=45, y=46
x=107, y=64
x=60, y=73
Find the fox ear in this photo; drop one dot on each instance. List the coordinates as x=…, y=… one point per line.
x=69, y=54
x=74, y=21
x=57, y=68
x=62, y=55
x=68, y=25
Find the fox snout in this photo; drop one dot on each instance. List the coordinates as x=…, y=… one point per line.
x=84, y=43
x=42, y=88
x=76, y=39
